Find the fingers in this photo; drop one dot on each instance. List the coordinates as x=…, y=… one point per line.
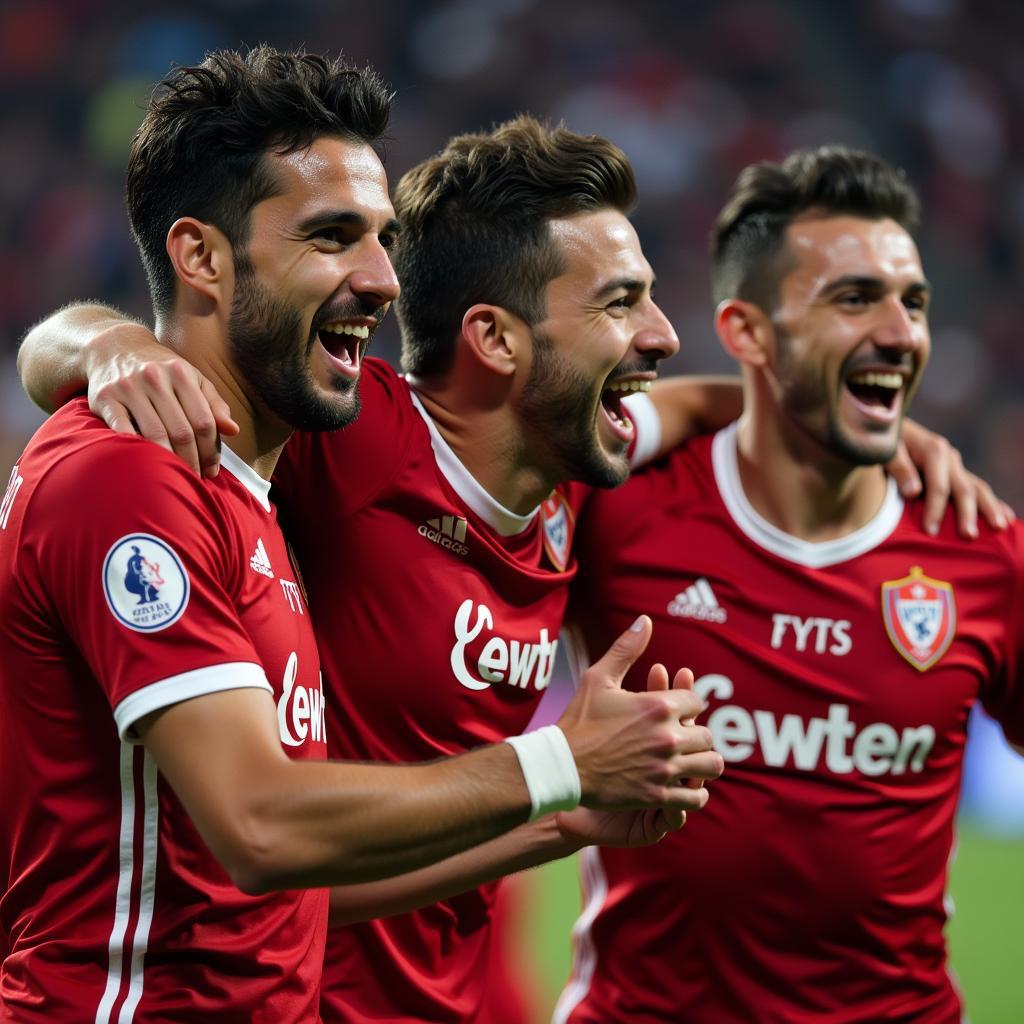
x=995, y=512
x=902, y=469
x=116, y=416
x=619, y=658
x=683, y=704
x=702, y=764
x=965, y=502
x=683, y=798
x=171, y=404
x=669, y=819
x=937, y=471
x=221, y=412
x=657, y=678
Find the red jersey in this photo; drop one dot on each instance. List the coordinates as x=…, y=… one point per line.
x=438, y=613
x=127, y=584
x=838, y=677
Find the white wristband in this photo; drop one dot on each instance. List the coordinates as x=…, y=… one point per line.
x=549, y=769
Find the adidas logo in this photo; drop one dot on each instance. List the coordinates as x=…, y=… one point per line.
x=259, y=561
x=697, y=601
x=447, y=532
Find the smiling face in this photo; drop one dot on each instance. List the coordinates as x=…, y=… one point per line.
x=314, y=283
x=851, y=333
x=603, y=337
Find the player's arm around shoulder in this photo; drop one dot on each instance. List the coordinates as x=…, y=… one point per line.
x=688, y=406
x=134, y=383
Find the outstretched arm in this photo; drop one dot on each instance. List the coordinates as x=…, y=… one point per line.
x=134, y=384
x=688, y=406
x=538, y=842
x=277, y=823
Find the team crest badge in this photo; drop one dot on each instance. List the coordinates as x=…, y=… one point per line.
x=558, y=527
x=145, y=584
x=920, y=617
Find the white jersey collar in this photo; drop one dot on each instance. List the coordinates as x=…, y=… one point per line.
x=814, y=555
x=503, y=521
x=245, y=475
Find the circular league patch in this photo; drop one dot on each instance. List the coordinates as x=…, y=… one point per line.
x=145, y=583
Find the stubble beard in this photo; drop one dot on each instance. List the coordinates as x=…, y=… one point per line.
x=802, y=395
x=558, y=408
x=269, y=351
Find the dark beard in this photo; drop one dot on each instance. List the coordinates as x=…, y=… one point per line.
x=265, y=338
x=803, y=394
x=558, y=409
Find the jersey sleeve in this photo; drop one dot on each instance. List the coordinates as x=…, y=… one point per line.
x=357, y=461
x=1004, y=700
x=647, y=423
x=136, y=558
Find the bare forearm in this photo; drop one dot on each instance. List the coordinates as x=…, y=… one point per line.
x=525, y=847
x=51, y=359
x=331, y=823
x=689, y=405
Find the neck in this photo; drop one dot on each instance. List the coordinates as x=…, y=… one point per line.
x=799, y=486
x=261, y=436
x=482, y=431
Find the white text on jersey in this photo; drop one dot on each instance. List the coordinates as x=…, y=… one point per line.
x=292, y=595
x=877, y=749
x=831, y=635
x=300, y=709
x=13, y=486
x=447, y=532
x=501, y=660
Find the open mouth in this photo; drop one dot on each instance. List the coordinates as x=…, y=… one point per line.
x=611, y=402
x=876, y=392
x=344, y=344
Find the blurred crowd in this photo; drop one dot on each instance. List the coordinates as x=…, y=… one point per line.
x=692, y=90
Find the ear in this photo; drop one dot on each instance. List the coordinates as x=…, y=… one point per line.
x=744, y=330
x=202, y=258
x=495, y=336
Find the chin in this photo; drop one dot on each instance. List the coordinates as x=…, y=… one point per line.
x=866, y=451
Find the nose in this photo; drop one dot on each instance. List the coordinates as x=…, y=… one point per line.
x=374, y=279
x=900, y=328
x=656, y=338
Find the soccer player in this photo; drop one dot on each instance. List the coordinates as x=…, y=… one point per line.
x=838, y=645
x=527, y=313
x=167, y=820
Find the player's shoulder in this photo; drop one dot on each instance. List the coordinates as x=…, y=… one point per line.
x=76, y=463
x=999, y=550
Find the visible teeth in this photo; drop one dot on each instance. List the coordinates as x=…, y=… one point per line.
x=878, y=380
x=358, y=332
x=630, y=385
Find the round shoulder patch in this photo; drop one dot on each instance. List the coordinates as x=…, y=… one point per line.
x=145, y=583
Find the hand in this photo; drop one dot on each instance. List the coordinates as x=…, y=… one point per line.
x=584, y=827
x=632, y=750
x=945, y=477
x=138, y=386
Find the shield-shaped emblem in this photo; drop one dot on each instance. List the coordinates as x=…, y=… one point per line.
x=558, y=526
x=920, y=617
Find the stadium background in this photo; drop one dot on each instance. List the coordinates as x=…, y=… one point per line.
x=692, y=90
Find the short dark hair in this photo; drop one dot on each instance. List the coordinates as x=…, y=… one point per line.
x=199, y=151
x=475, y=226
x=746, y=244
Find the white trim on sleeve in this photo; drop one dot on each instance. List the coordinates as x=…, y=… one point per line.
x=644, y=414
x=232, y=675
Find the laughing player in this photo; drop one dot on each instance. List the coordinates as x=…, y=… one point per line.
x=838, y=645
x=167, y=819
x=527, y=314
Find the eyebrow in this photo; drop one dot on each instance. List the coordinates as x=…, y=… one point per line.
x=866, y=281
x=629, y=284
x=348, y=218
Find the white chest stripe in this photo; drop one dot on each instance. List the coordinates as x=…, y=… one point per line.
x=134, y=877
